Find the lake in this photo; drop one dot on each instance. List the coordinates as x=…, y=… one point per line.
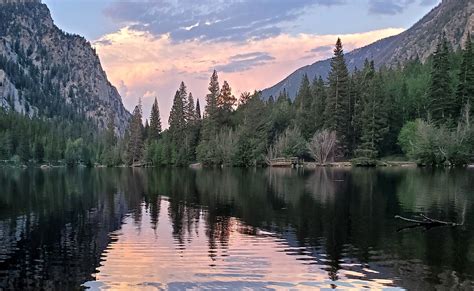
x=152, y=229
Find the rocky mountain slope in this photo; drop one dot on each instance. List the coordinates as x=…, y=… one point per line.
x=454, y=18
x=49, y=73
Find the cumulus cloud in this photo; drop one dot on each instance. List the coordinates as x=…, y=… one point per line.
x=211, y=20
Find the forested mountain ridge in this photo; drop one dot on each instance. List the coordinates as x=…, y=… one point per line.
x=46, y=72
x=454, y=18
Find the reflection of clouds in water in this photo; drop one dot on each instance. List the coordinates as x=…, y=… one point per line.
x=250, y=258
x=336, y=223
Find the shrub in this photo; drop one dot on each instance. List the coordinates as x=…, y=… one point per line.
x=437, y=145
x=322, y=146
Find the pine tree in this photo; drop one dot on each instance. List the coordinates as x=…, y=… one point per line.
x=177, y=128
x=359, y=83
x=210, y=122
x=442, y=105
x=373, y=116
x=304, y=115
x=198, y=110
x=226, y=101
x=271, y=100
x=283, y=96
x=244, y=98
x=465, y=90
x=155, y=121
x=318, y=90
x=190, y=111
x=135, y=143
x=338, y=100
x=225, y=104
x=211, y=98
x=177, y=119
x=146, y=130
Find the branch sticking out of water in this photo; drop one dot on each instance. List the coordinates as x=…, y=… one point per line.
x=427, y=221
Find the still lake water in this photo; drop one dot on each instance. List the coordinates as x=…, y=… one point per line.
x=151, y=229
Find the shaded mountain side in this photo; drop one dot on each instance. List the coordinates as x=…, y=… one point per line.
x=48, y=73
x=454, y=18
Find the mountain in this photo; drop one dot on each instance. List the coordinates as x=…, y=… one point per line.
x=48, y=73
x=454, y=18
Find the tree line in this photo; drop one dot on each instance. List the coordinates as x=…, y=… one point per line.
x=420, y=110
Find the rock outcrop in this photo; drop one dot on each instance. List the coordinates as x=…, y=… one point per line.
x=50, y=73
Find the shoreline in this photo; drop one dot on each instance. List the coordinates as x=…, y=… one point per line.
x=196, y=166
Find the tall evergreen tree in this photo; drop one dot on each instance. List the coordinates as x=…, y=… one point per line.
x=318, y=90
x=177, y=119
x=226, y=101
x=146, y=130
x=283, y=96
x=373, y=116
x=190, y=111
x=357, y=89
x=155, y=121
x=442, y=106
x=304, y=115
x=135, y=143
x=212, y=96
x=183, y=93
x=198, y=110
x=210, y=122
x=244, y=98
x=338, y=100
x=225, y=105
x=465, y=90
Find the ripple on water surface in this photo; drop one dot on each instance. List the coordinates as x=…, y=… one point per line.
x=146, y=254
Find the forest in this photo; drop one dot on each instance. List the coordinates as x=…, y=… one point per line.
x=417, y=111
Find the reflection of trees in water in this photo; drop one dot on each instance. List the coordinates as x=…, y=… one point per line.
x=339, y=214
x=343, y=213
x=55, y=226
x=324, y=183
x=446, y=190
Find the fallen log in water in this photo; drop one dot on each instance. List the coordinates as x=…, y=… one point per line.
x=427, y=221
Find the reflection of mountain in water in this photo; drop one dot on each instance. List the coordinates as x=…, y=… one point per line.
x=58, y=222
x=54, y=227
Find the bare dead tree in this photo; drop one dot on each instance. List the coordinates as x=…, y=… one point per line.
x=322, y=146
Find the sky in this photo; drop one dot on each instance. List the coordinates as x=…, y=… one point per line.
x=147, y=47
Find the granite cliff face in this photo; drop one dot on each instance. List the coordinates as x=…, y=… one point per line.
x=46, y=72
x=454, y=18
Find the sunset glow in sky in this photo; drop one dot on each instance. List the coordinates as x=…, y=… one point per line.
x=148, y=47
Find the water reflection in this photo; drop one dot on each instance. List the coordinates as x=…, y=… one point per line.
x=280, y=228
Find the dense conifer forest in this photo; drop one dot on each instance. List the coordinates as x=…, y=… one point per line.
x=417, y=111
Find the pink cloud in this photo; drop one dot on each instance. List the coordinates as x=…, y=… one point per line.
x=143, y=65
